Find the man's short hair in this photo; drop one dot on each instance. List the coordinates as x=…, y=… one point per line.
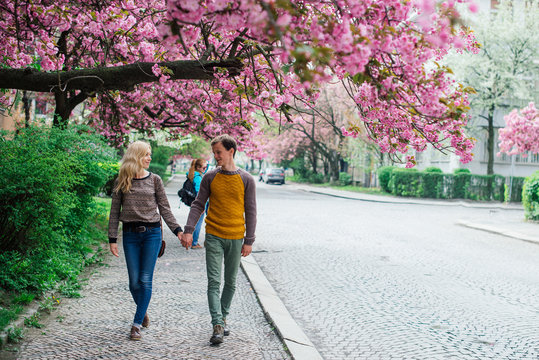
x=227, y=141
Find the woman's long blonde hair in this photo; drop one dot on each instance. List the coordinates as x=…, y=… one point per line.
x=194, y=164
x=131, y=164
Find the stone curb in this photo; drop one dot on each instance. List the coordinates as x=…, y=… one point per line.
x=30, y=311
x=378, y=199
x=500, y=231
x=299, y=345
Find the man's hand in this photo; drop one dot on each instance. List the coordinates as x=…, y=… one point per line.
x=114, y=249
x=246, y=250
x=187, y=240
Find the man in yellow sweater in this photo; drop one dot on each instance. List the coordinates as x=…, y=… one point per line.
x=230, y=227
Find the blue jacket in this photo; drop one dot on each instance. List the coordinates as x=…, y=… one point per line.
x=197, y=179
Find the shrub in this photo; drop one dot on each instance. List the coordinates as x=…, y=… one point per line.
x=345, y=178
x=433, y=169
x=316, y=178
x=158, y=169
x=406, y=182
x=384, y=175
x=46, y=201
x=461, y=171
x=516, y=189
x=530, y=196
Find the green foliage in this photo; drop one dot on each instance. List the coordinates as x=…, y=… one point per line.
x=23, y=298
x=33, y=321
x=516, y=190
x=158, y=169
x=50, y=177
x=15, y=335
x=461, y=171
x=530, y=196
x=345, y=178
x=384, y=175
x=433, y=169
x=407, y=182
x=9, y=314
x=316, y=178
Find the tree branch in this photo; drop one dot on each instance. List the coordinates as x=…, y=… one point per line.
x=112, y=78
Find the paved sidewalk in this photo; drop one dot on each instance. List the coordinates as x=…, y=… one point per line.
x=96, y=326
x=506, y=219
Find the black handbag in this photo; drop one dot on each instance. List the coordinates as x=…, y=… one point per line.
x=163, y=243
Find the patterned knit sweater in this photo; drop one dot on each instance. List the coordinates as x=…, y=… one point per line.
x=140, y=204
x=232, y=208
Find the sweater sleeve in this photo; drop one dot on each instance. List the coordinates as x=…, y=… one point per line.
x=164, y=206
x=250, y=208
x=197, y=207
x=114, y=216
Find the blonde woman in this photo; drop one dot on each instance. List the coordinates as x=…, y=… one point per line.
x=196, y=171
x=136, y=199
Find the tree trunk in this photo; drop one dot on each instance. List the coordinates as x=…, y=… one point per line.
x=26, y=105
x=490, y=142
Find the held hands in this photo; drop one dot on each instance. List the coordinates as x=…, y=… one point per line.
x=114, y=249
x=246, y=250
x=186, y=240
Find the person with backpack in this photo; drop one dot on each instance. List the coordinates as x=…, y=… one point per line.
x=230, y=228
x=196, y=171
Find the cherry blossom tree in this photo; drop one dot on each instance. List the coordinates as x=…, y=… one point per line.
x=205, y=66
x=521, y=133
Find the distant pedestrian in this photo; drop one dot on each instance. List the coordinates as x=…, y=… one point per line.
x=230, y=228
x=196, y=171
x=136, y=199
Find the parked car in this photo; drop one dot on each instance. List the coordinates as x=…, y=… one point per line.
x=275, y=175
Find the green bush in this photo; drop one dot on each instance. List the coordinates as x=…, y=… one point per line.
x=406, y=182
x=316, y=178
x=345, y=178
x=384, y=175
x=433, y=169
x=49, y=179
x=158, y=169
x=516, y=191
x=530, y=196
x=461, y=171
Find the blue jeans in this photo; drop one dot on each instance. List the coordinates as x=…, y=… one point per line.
x=141, y=250
x=198, y=227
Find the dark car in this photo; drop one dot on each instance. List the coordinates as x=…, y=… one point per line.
x=275, y=175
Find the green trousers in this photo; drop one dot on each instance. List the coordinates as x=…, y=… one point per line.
x=217, y=250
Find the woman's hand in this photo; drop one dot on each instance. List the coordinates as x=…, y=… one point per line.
x=114, y=249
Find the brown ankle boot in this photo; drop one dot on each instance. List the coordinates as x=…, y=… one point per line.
x=135, y=333
x=146, y=321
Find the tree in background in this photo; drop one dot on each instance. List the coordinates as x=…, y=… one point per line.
x=521, y=133
x=506, y=68
x=201, y=66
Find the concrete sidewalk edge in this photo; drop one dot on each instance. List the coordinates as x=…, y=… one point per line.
x=500, y=231
x=404, y=201
x=298, y=343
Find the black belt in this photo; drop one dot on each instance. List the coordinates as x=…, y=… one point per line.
x=140, y=227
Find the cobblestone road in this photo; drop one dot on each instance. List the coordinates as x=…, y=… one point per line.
x=96, y=326
x=384, y=281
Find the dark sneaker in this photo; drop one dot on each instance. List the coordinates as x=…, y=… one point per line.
x=226, y=329
x=135, y=333
x=218, y=332
x=146, y=321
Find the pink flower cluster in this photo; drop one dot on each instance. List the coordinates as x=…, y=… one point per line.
x=288, y=49
x=521, y=132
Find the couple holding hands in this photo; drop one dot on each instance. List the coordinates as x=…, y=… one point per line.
x=230, y=227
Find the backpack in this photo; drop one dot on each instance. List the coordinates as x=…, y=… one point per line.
x=187, y=193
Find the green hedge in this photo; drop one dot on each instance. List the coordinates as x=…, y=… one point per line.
x=384, y=175
x=437, y=185
x=530, y=196
x=46, y=200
